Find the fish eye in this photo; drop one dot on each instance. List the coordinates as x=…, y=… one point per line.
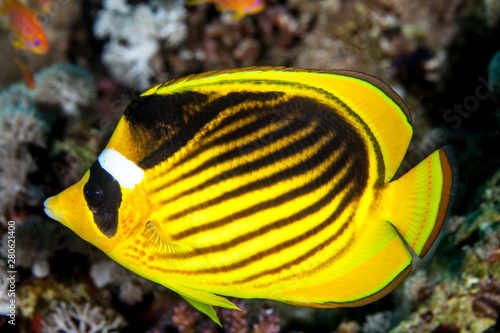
x=94, y=194
x=37, y=42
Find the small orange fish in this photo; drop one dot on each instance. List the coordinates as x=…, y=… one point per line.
x=241, y=8
x=27, y=30
x=28, y=76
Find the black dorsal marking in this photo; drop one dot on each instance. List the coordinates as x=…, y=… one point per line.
x=163, y=124
x=105, y=210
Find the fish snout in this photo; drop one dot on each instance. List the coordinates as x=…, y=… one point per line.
x=49, y=208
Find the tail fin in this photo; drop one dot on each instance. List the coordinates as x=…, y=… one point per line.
x=421, y=199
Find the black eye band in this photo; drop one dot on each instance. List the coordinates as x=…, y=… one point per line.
x=103, y=195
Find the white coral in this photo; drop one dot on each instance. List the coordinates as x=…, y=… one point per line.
x=67, y=85
x=136, y=34
x=19, y=128
x=81, y=319
x=16, y=96
x=13, y=179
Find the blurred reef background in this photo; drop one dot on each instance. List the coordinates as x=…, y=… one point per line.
x=58, y=111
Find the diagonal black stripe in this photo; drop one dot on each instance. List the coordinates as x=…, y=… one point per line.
x=312, y=252
x=304, y=166
x=264, y=118
x=272, y=114
x=328, y=175
x=169, y=121
x=237, y=151
x=346, y=200
x=334, y=168
x=266, y=160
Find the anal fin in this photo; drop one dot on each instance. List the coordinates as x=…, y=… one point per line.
x=203, y=300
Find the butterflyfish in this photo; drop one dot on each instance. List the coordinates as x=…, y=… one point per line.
x=265, y=182
x=239, y=8
x=26, y=31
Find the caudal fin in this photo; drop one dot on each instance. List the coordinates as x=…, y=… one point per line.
x=422, y=198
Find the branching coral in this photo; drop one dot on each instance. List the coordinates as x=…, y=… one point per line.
x=16, y=96
x=19, y=129
x=13, y=180
x=69, y=86
x=132, y=44
x=84, y=318
x=235, y=321
x=185, y=318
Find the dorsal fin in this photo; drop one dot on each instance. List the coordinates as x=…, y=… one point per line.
x=379, y=110
x=165, y=117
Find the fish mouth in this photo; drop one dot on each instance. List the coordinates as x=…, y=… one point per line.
x=48, y=211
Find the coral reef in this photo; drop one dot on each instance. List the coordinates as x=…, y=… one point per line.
x=130, y=51
x=20, y=128
x=43, y=296
x=391, y=37
x=268, y=322
x=185, y=319
x=83, y=318
x=459, y=305
x=68, y=86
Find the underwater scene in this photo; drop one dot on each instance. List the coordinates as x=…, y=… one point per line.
x=258, y=166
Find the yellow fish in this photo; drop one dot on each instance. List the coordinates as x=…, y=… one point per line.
x=240, y=8
x=264, y=182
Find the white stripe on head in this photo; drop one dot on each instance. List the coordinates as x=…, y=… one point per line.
x=126, y=172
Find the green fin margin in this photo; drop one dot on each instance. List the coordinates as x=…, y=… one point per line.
x=204, y=300
x=205, y=308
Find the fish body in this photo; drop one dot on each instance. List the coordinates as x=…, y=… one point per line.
x=267, y=183
x=28, y=34
x=239, y=8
